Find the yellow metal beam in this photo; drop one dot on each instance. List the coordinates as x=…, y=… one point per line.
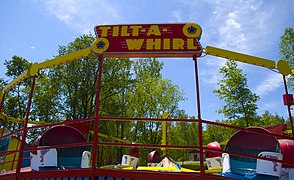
x=16, y=81
x=3, y=116
x=240, y=57
x=47, y=64
x=27, y=73
x=1, y=95
x=110, y=137
x=12, y=119
x=64, y=59
x=165, y=115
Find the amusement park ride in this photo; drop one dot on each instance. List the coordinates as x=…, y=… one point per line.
x=251, y=153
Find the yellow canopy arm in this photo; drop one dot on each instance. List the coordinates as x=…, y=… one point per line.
x=46, y=64
x=3, y=116
x=16, y=81
x=282, y=66
x=16, y=120
x=114, y=138
x=64, y=59
x=240, y=57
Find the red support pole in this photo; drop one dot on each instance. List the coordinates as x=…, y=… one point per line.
x=24, y=133
x=288, y=106
x=201, y=159
x=96, y=121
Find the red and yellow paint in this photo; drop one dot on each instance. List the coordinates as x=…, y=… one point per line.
x=145, y=40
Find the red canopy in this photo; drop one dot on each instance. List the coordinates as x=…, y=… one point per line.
x=244, y=140
x=287, y=147
x=59, y=135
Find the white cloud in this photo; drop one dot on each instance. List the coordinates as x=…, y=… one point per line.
x=83, y=15
x=210, y=72
x=270, y=106
x=251, y=27
x=177, y=15
x=270, y=84
x=32, y=47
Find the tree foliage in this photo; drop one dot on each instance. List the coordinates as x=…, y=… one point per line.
x=240, y=101
x=18, y=96
x=129, y=88
x=16, y=100
x=267, y=119
x=287, y=51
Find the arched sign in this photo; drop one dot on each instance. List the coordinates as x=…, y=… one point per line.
x=148, y=40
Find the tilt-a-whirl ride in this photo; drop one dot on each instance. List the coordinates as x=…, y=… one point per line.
x=63, y=152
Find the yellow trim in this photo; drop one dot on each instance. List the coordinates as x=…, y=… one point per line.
x=187, y=170
x=123, y=167
x=240, y=57
x=146, y=168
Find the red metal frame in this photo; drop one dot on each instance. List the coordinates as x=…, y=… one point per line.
x=24, y=135
x=96, y=121
x=288, y=106
x=94, y=171
x=201, y=159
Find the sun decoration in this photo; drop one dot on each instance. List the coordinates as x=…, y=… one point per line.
x=192, y=30
x=100, y=45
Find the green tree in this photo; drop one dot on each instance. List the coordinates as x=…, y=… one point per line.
x=116, y=92
x=16, y=100
x=129, y=88
x=267, y=119
x=46, y=99
x=287, y=51
x=78, y=80
x=152, y=95
x=240, y=101
x=217, y=133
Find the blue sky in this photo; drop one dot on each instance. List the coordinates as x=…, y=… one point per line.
x=33, y=29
